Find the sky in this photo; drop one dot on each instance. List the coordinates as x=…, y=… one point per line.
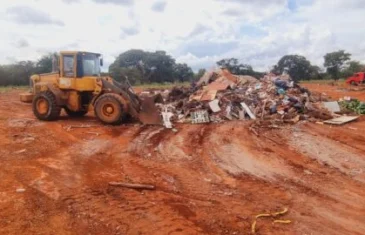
x=196, y=32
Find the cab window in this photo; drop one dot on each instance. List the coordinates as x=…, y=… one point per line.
x=68, y=65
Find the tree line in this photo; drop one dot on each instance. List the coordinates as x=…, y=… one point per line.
x=157, y=67
x=18, y=74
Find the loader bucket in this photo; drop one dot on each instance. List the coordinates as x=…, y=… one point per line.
x=149, y=113
x=26, y=97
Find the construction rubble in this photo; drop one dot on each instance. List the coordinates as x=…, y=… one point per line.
x=220, y=96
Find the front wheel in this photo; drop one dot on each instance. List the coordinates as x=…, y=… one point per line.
x=109, y=109
x=45, y=107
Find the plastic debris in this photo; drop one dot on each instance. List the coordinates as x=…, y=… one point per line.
x=332, y=106
x=200, y=116
x=214, y=106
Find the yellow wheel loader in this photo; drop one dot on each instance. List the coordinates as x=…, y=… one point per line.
x=76, y=86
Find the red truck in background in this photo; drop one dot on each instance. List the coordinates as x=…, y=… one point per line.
x=356, y=79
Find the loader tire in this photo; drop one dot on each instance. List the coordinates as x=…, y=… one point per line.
x=45, y=107
x=109, y=109
x=71, y=113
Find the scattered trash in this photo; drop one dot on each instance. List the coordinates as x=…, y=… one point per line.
x=70, y=127
x=166, y=119
x=208, y=95
x=332, y=106
x=94, y=133
x=248, y=111
x=214, y=106
x=200, y=116
x=20, y=151
x=20, y=190
x=221, y=96
x=341, y=120
x=133, y=186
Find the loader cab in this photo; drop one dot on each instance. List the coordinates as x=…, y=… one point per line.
x=80, y=64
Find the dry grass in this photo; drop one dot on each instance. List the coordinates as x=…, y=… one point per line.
x=161, y=85
x=9, y=88
x=327, y=81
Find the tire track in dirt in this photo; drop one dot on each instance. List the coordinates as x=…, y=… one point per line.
x=324, y=189
x=205, y=181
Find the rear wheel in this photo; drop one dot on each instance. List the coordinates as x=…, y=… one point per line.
x=75, y=113
x=109, y=109
x=353, y=83
x=45, y=106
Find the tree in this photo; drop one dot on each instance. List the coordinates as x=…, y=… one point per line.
x=297, y=66
x=199, y=74
x=235, y=67
x=315, y=73
x=183, y=72
x=44, y=64
x=146, y=67
x=334, y=62
x=351, y=68
x=16, y=74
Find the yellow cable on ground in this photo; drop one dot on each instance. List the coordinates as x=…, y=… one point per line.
x=275, y=214
x=282, y=221
x=263, y=215
x=253, y=227
x=280, y=212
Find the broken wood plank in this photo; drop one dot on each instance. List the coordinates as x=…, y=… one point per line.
x=94, y=133
x=248, y=110
x=341, y=120
x=70, y=127
x=133, y=186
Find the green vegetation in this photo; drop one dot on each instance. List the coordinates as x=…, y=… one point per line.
x=335, y=61
x=149, y=67
x=9, y=88
x=162, y=85
x=237, y=68
x=354, y=105
x=298, y=67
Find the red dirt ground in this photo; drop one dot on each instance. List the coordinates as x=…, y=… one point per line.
x=338, y=91
x=210, y=179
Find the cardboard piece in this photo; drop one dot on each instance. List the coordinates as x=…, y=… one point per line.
x=208, y=95
x=341, y=120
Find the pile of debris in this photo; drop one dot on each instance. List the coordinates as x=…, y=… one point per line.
x=221, y=96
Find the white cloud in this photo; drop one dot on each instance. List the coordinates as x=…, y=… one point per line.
x=196, y=32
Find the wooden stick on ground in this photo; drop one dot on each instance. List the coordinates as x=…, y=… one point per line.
x=133, y=186
x=70, y=127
